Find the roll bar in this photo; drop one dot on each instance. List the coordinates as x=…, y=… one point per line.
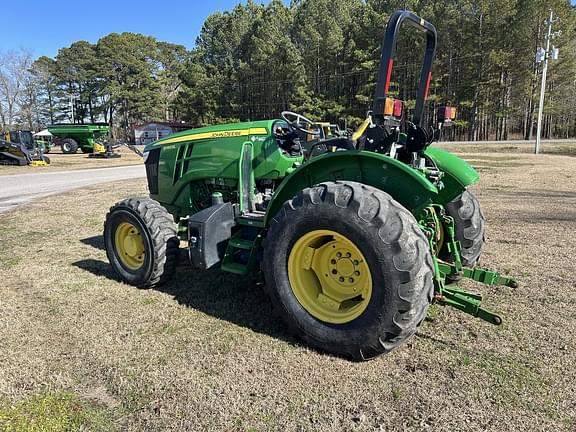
x=387, y=63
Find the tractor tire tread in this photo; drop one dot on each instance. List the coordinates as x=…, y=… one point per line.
x=163, y=237
x=470, y=227
x=73, y=146
x=396, y=229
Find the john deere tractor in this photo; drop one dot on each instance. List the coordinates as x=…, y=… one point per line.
x=355, y=236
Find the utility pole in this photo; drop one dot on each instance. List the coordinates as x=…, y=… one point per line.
x=543, y=56
x=71, y=99
x=72, y=107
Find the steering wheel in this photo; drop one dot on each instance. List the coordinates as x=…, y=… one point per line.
x=298, y=120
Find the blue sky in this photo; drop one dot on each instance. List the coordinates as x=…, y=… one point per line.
x=44, y=26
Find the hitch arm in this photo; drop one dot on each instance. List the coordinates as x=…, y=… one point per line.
x=467, y=302
x=434, y=218
x=485, y=276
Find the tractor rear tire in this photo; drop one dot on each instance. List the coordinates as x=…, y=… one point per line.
x=141, y=242
x=469, y=227
x=69, y=146
x=389, y=247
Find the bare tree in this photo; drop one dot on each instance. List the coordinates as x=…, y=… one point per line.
x=14, y=70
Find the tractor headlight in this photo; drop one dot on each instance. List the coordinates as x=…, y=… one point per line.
x=145, y=156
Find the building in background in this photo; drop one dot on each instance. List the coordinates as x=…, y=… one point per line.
x=150, y=132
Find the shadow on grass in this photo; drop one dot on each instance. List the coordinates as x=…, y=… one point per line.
x=237, y=299
x=98, y=268
x=544, y=194
x=97, y=242
x=542, y=202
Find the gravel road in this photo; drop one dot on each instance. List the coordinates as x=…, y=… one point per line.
x=21, y=188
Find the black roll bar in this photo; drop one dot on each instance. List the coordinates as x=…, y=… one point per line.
x=387, y=63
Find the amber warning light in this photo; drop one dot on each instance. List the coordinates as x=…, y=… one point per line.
x=393, y=108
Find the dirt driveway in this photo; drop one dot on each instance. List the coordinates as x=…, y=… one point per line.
x=207, y=353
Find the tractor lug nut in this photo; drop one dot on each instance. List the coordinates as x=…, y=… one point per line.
x=341, y=279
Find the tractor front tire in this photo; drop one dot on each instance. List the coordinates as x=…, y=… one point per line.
x=348, y=269
x=469, y=227
x=141, y=242
x=69, y=146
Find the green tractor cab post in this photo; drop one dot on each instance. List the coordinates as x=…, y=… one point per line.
x=356, y=236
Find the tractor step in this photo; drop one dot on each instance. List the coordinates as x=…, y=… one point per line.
x=252, y=219
x=236, y=268
x=240, y=243
x=241, y=252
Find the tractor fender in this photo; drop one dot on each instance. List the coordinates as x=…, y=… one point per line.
x=406, y=185
x=458, y=174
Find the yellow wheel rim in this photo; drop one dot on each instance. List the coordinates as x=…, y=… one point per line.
x=329, y=276
x=129, y=246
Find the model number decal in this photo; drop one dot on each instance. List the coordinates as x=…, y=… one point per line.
x=218, y=134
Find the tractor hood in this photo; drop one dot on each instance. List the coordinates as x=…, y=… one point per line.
x=229, y=130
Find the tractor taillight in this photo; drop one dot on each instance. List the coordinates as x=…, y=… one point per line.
x=446, y=114
x=393, y=108
x=398, y=108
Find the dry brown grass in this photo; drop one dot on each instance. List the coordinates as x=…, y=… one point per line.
x=563, y=148
x=63, y=162
x=207, y=353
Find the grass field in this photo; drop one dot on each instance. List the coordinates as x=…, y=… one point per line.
x=81, y=351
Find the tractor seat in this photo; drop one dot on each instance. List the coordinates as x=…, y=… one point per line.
x=339, y=142
x=322, y=146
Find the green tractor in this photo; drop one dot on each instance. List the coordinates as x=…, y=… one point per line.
x=355, y=237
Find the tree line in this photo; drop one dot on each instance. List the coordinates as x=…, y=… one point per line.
x=318, y=57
